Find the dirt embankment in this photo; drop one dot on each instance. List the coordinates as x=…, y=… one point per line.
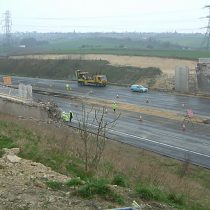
x=167, y=65
x=23, y=185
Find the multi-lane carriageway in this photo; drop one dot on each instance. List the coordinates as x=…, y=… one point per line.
x=156, y=132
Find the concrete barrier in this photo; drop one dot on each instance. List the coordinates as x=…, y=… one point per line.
x=25, y=110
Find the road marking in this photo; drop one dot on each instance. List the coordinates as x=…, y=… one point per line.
x=156, y=142
x=160, y=143
x=164, y=144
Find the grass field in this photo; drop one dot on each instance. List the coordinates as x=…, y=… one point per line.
x=64, y=49
x=166, y=45
x=149, y=176
x=169, y=45
x=187, y=40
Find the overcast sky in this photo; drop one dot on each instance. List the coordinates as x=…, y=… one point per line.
x=106, y=15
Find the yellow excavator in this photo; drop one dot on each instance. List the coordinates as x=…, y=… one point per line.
x=85, y=78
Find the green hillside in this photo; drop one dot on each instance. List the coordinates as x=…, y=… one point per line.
x=63, y=69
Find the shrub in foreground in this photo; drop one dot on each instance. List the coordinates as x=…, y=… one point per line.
x=100, y=187
x=55, y=185
x=151, y=192
x=120, y=180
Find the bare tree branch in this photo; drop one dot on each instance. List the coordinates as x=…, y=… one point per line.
x=94, y=120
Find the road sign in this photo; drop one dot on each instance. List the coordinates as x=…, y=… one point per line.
x=7, y=80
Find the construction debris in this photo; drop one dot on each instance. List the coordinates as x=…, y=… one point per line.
x=52, y=109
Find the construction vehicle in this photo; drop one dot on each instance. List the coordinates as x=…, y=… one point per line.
x=84, y=78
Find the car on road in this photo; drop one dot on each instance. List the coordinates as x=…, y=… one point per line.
x=139, y=88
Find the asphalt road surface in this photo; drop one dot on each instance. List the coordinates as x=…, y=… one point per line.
x=157, y=134
x=160, y=100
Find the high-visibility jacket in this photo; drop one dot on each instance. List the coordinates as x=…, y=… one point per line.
x=65, y=116
x=114, y=106
x=68, y=87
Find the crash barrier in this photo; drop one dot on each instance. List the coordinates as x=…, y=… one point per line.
x=4, y=90
x=24, y=92
x=25, y=110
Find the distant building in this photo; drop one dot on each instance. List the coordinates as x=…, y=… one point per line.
x=203, y=74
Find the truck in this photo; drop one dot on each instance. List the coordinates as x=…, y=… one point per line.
x=85, y=78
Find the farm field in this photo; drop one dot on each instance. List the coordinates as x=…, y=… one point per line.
x=166, y=65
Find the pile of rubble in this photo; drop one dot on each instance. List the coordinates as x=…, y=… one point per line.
x=207, y=121
x=52, y=109
x=23, y=186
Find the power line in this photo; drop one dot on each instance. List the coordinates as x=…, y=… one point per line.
x=118, y=23
x=7, y=26
x=169, y=13
x=207, y=34
x=45, y=23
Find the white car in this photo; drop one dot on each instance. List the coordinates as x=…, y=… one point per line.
x=139, y=88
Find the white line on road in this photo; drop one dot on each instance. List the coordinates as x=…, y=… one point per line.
x=156, y=142
x=160, y=143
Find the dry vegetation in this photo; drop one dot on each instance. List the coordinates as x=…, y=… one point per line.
x=136, y=164
x=167, y=65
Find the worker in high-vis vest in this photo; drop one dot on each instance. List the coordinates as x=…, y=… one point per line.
x=114, y=106
x=68, y=87
x=65, y=116
x=70, y=116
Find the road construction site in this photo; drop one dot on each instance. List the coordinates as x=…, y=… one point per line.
x=153, y=120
